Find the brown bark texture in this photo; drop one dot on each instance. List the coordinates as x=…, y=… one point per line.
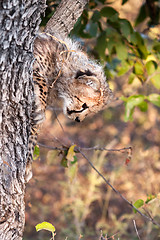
x=65, y=17
x=19, y=21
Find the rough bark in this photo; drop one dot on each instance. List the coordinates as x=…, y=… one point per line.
x=19, y=22
x=65, y=17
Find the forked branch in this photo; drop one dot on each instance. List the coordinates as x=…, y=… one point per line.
x=65, y=16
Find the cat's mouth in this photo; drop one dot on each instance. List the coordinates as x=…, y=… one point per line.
x=70, y=112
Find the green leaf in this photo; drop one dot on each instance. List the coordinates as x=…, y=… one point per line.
x=131, y=78
x=133, y=38
x=45, y=226
x=121, y=51
x=93, y=27
x=75, y=159
x=142, y=14
x=126, y=28
x=64, y=161
x=143, y=106
x=124, y=68
x=155, y=99
x=110, y=13
x=79, y=26
x=36, y=152
x=139, y=203
x=101, y=45
x=136, y=38
x=130, y=104
x=138, y=68
x=151, y=66
x=142, y=49
x=156, y=80
x=96, y=16
x=111, y=44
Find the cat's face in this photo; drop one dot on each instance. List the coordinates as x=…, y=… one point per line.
x=88, y=95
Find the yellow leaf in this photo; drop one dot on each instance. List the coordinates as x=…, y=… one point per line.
x=45, y=226
x=71, y=153
x=150, y=58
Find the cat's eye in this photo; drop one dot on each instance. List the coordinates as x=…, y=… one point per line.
x=82, y=73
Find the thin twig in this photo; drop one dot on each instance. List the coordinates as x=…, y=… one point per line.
x=53, y=148
x=106, y=149
x=147, y=212
x=116, y=191
x=59, y=122
x=77, y=149
x=134, y=222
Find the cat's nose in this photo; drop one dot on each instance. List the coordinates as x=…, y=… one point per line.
x=77, y=119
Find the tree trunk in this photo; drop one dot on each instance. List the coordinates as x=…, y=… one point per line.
x=19, y=22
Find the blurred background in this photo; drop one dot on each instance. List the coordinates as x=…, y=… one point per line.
x=124, y=37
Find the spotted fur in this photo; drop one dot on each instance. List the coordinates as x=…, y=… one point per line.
x=64, y=73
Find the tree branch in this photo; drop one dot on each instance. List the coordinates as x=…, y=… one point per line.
x=65, y=16
x=77, y=149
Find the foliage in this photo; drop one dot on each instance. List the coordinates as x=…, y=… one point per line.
x=139, y=101
x=139, y=203
x=36, y=153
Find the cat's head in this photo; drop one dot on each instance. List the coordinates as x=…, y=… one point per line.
x=88, y=93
